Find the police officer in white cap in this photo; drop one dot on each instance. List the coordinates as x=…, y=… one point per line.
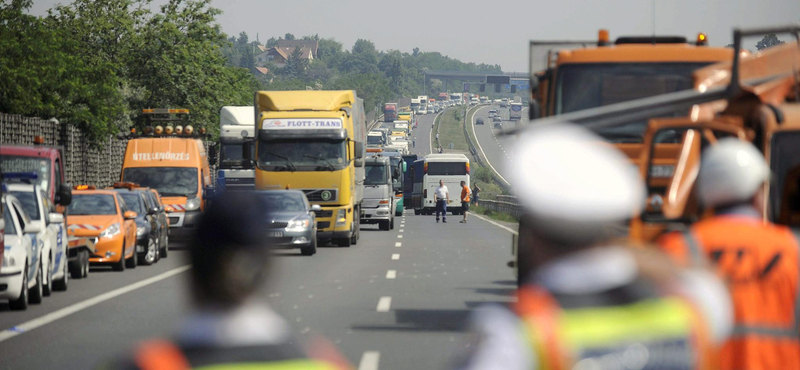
x=589, y=301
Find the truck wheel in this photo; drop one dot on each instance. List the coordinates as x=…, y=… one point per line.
x=416, y=212
x=36, y=293
x=355, y=234
x=61, y=284
x=343, y=242
x=391, y=224
x=85, y=264
x=384, y=225
x=21, y=303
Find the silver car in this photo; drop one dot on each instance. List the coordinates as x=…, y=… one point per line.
x=291, y=220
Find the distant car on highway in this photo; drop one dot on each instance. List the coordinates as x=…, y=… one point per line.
x=479, y=121
x=292, y=220
x=498, y=125
x=492, y=113
x=497, y=118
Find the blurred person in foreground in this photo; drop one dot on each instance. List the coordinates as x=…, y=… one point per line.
x=229, y=327
x=590, y=301
x=758, y=259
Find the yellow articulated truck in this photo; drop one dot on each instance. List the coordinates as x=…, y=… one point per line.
x=314, y=141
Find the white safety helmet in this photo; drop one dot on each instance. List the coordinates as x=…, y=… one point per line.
x=731, y=172
x=572, y=182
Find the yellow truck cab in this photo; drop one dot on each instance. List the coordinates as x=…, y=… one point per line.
x=314, y=141
x=172, y=160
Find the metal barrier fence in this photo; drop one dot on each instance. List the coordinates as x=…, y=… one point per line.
x=84, y=163
x=508, y=208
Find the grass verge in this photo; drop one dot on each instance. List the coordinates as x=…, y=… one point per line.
x=493, y=215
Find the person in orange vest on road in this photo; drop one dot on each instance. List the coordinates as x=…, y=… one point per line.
x=589, y=301
x=229, y=328
x=758, y=259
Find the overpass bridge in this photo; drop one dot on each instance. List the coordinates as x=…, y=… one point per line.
x=447, y=76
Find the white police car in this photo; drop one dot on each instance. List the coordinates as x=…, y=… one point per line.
x=54, y=234
x=21, y=272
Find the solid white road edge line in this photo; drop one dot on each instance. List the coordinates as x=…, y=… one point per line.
x=472, y=127
x=391, y=274
x=506, y=228
x=369, y=360
x=384, y=304
x=80, y=306
x=396, y=256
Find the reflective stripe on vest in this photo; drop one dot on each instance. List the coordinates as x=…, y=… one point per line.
x=165, y=355
x=657, y=333
x=790, y=332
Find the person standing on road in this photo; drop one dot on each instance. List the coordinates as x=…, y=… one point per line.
x=758, y=259
x=229, y=328
x=587, y=300
x=475, y=193
x=464, y=200
x=442, y=197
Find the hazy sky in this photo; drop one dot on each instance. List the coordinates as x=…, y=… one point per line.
x=489, y=31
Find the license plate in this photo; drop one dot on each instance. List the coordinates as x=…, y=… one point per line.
x=140, y=248
x=275, y=234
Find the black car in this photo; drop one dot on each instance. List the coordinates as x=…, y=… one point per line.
x=479, y=121
x=146, y=226
x=291, y=220
x=498, y=125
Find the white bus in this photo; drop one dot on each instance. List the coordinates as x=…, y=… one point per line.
x=515, y=112
x=452, y=168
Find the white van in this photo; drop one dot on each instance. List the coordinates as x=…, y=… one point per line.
x=452, y=168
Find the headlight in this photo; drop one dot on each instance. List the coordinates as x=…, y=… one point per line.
x=192, y=204
x=662, y=171
x=9, y=261
x=341, y=217
x=141, y=230
x=298, y=225
x=110, y=231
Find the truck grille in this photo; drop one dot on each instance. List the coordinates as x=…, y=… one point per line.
x=324, y=214
x=323, y=224
x=371, y=203
x=316, y=195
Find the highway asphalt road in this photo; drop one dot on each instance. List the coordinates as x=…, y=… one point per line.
x=494, y=149
x=399, y=297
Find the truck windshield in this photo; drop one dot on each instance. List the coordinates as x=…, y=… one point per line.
x=28, y=200
x=376, y=174
x=231, y=155
x=584, y=86
x=374, y=140
x=92, y=204
x=302, y=155
x=169, y=181
x=14, y=163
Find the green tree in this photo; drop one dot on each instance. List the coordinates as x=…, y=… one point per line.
x=243, y=39
x=288, y=36
x=272, y=42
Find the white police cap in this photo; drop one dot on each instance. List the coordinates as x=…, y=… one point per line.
x=566, y=174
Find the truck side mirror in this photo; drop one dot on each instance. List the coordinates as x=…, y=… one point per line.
x=359, y=149
x=534, y=110
x=247, y=149
x=63, y=195
x=212, y=153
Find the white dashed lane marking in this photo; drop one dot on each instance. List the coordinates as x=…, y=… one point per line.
x=399, y=237
x=398, y=245
x=391, y=274
x=396, y=256
x=369, y=360
x=384, y=304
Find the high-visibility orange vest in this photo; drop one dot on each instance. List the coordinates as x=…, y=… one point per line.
x=620, y=329
x=760, y=262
